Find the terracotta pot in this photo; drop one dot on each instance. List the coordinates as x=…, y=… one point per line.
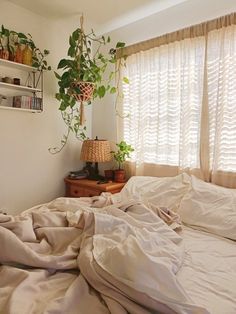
x=5, y=54
x=119, y=175
x=109, y=174
x=11, y=56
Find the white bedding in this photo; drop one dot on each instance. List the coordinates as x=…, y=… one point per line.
x=111, y=262
x=118, y=262
x=208, y=272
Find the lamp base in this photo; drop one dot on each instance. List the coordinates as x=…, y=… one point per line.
x=93, y=172
x=95, y=177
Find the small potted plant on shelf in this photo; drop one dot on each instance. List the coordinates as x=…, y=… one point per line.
x=18, y=47
x=86, y=75
x=120, y=157
x=4, y=43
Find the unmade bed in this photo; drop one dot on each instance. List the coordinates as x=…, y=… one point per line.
x=116, y=254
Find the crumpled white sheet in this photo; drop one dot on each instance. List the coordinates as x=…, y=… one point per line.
x=110, y=247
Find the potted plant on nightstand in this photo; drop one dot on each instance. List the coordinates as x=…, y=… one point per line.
x=120, y=157
x=86, y=75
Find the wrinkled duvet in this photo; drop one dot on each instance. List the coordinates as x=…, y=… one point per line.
x=67, y=257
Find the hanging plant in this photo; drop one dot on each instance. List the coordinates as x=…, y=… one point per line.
x=86, y=76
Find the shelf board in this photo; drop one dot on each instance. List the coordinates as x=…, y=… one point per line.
x=19, y=87
x=21, y=109
x=18, y=66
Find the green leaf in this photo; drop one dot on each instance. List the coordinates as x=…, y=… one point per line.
x=57, y=75
x=71, y=52
x=63, y=63
x=75, y=34
x=113, y=90
x=21, y=35
x=120, y=44
x=77, y=90
x=72, y=41
x=65, y=76
x=58, y=96
x=111, y=75
x=101, y=91
x=126, y=80
x=63, y=106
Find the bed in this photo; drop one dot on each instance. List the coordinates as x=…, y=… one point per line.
x=161, y=245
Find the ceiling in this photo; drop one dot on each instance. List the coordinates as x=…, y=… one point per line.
x=105, y=13
x=97, y=10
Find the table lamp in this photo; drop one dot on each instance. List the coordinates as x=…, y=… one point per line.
x=95, y=151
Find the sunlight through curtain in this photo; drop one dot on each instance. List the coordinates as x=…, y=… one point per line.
x=181, y=104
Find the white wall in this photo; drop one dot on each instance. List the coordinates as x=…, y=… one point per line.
x=29, y=174
x=182, y=15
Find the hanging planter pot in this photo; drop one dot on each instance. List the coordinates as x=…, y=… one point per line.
x=85, y=90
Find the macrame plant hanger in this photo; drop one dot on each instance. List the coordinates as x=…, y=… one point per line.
x=82, y=114
x=86, y=88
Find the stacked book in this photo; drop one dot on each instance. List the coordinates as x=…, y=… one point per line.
x=27, y=102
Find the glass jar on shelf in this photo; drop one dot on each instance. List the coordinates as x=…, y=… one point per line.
x=18, y=54
x=27, y=55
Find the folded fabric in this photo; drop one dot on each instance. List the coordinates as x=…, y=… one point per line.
x=210, y=208
x=22, y=227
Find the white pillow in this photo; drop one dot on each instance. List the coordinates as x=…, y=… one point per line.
x=160, y=191
x=211, y=208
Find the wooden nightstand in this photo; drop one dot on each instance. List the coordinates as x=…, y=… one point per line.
x=84, y=187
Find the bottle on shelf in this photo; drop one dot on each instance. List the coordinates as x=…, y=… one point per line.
x=27, y=55
x=18, y=54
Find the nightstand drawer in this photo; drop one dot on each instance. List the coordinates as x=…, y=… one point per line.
x=76, y=191
x=87, y=188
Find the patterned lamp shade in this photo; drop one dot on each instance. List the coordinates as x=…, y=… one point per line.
x=95, y=151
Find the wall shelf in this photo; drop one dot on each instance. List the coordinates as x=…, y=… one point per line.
x=20, y=87
x=21, y=109
x=21, y=97
x=18, y=66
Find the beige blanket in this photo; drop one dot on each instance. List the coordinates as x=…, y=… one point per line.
x=66, y=257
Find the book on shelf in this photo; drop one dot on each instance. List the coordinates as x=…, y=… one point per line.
x=27, y=102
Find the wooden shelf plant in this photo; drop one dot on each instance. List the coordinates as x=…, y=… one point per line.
x=15, y=45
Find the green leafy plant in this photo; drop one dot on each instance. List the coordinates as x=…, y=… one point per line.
x=13, y=38
x=85, y=64
x=122, y=153
x=5, y=42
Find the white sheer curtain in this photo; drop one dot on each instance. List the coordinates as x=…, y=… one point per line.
x=181, y=103
x=221, y=66
x=163, y=103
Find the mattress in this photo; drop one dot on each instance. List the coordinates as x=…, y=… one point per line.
x=209, y=271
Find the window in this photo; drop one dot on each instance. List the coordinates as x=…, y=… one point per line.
x=164, y=101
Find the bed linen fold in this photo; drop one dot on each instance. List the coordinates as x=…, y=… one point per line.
x=87, y=260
